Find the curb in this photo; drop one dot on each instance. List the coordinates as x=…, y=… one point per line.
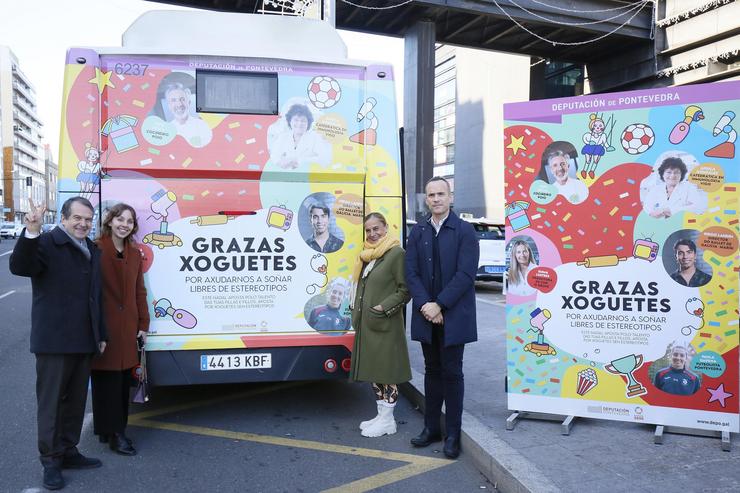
x=507, y=469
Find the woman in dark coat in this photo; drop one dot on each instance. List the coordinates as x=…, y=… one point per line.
x=127, y=317
x=380, y=355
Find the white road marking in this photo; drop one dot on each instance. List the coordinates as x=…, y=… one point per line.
x=86, y=423
x=7, y=294
x=31, y=490
x=6, y=253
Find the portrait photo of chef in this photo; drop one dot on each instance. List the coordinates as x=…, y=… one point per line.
x=559, y=168
x=176, y=106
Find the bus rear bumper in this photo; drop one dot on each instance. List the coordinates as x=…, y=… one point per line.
x=213, y=366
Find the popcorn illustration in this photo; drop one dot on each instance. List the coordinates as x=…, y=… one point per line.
x=587, y=380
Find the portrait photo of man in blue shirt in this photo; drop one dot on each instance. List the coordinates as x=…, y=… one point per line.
x=688, y=274
x=321, y=239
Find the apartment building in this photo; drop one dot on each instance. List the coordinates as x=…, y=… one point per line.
x=23, y=159
x=51, y=176
x=470, y=89
x=698, y=41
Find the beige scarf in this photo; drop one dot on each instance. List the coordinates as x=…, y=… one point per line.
x=369, y=254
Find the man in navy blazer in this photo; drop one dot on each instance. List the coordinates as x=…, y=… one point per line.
x=66, y=329
x=441, y=262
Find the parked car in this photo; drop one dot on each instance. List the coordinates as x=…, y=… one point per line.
x=492, y=261
x=45, y=228
x=11, y=230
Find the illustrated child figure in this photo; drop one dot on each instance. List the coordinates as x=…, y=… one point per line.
x=89, y=175
x=595, y=140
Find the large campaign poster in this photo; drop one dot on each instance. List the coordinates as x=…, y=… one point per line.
x=622, y=235
x=249, y=216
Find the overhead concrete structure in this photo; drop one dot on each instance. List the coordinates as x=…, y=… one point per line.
x=418, y=124
x=517, y=26
x=582, y=31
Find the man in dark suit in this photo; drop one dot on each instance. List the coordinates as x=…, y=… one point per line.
x=441, y=262
x=66, y=329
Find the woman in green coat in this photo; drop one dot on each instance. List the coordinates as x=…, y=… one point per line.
x=380, y=355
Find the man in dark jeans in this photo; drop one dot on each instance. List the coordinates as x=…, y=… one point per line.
x=441, y=261
x=66, y=329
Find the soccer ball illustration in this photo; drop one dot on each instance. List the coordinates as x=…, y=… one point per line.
x=324, y=92
x=637, y=138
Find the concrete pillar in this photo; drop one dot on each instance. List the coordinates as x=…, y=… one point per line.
x=418, y=113
x=330, y=12
x=537, y=79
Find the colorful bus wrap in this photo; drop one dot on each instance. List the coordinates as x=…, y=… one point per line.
x=250, y=163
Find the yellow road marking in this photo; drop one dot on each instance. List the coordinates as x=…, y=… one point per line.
x=389, y=477
x=286, y=442
x=415, y=464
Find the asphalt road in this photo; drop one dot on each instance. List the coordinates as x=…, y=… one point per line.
x=282, y=437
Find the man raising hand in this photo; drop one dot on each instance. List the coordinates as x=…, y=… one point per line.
x=66, y=329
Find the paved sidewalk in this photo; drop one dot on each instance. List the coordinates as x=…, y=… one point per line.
x=597, y=456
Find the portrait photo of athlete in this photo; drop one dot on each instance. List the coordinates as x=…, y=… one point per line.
x=676, y=378
x=330, y=317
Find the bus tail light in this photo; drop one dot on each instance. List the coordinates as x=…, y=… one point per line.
x=330, y=365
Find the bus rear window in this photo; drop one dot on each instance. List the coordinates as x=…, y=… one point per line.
x=239, y=93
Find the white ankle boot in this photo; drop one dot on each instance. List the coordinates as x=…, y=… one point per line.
x=385, y=425
x=367, y=423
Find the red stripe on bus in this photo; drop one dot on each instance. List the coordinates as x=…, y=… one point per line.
x=346, y=340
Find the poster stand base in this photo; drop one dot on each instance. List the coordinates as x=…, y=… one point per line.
x=661, y=429
x=565, y=425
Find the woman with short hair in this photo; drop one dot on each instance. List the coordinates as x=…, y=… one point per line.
x=672, y=193
x=298, y=144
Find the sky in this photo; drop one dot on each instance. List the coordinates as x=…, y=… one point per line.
x=40, y=31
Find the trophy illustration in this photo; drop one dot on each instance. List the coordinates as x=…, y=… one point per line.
x=625, y=366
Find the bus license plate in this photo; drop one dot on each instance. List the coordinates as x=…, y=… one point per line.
x=245, y=361
x=494, y=269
